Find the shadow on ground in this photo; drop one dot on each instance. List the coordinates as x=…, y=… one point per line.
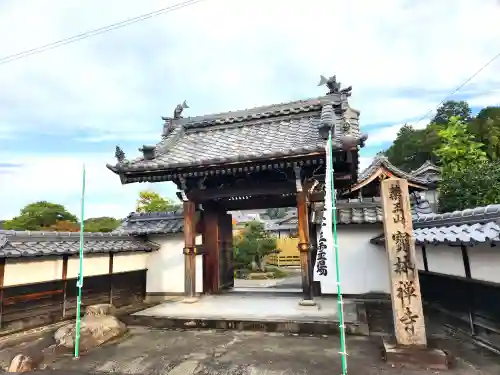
x=216, y=352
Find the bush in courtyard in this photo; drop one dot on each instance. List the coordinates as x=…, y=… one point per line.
x=252, y=245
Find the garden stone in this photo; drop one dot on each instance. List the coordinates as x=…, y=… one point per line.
x=100, y=309
x=94, y=331
x=21, y=363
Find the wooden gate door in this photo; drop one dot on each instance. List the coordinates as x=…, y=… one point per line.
x=226, y=255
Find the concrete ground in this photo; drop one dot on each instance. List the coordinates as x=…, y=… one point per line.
x=253, y=307
x=148, y=351
x=293, y=281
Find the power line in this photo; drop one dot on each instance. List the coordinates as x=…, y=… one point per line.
x=101, y=30
x=460, y=87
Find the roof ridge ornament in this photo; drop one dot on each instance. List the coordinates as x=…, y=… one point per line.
x=119, y=155
x=178, y=110
x=334, y=86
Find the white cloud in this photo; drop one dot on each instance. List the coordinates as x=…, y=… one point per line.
x=58, y=178
x=244, y=59
x=364, y=162
x=402, y=57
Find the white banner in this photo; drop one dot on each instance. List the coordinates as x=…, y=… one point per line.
x=324, y=268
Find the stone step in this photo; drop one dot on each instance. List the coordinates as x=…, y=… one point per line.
x=289, y=326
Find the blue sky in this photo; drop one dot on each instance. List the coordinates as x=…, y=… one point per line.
x=74, y=104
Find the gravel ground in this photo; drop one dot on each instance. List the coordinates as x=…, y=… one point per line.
x=215, y=352
x=146, y=351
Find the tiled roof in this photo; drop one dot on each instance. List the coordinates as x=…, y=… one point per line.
x=15, y=244
x=429, y=172
x=279, y=130
x=290, y=221
x=381, y=161
x=467, y=227
x=427, y=166
x=368, y=210
x=152, y=223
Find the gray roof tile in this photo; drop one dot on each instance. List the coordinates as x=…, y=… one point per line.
x=272, y=131
x=459, y=234
x=467, y=227
x=482, y=214
x=152, y=223
x=369, y=210
x=15, y=244
x=380, y=161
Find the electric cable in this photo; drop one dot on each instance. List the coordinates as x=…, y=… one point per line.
x=98, y=31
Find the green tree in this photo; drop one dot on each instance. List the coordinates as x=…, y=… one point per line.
x=149, y=201
x=469, y=179
x=101, y=224
x=252, y=246
x=452, y=108
x=476, y=185
x=486, y=129
x=458, y=148
x=62, y=226
x=407, y=151
x=40, y=215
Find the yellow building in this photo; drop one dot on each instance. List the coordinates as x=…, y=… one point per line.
x=285, y=230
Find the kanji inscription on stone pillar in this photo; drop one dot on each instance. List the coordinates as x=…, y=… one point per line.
x=409, y=325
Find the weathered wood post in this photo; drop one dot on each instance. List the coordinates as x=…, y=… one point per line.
x=410, y=344
x=189, y=251
x=303, y=246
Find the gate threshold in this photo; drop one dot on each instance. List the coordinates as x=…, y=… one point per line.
x=254, y=312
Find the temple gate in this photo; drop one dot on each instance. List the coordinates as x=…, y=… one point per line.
x=270, y=156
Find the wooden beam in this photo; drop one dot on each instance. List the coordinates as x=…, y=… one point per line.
x=209, y=194
x=258, y=203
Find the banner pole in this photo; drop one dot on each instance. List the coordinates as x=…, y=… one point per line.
x=340, y=302
x=79, y=284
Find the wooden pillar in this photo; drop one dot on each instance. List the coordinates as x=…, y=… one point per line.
x=65, y=283
x=212, y=241
x=2, y=275
x=189, y=251
x=304, y=249
x=424, y=258
x=409, y=325
x=110, y=277
x=470, y=291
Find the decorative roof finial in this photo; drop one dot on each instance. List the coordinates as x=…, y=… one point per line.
x=334, y=86
x=178, y=110
x=119, y=155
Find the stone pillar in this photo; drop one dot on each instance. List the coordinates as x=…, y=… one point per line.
x=304, y=248
x=189, y=251
x=409, y=326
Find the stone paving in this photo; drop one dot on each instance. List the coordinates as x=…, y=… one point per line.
x=253, y=307
x=149, y=351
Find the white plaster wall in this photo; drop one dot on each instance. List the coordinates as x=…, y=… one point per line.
x=485, y=263
x=93, y=265
x=37, y=270
x=445, y=259
x=33, y=270
x=166, y=266
x=363, y=267
x=127, y=262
